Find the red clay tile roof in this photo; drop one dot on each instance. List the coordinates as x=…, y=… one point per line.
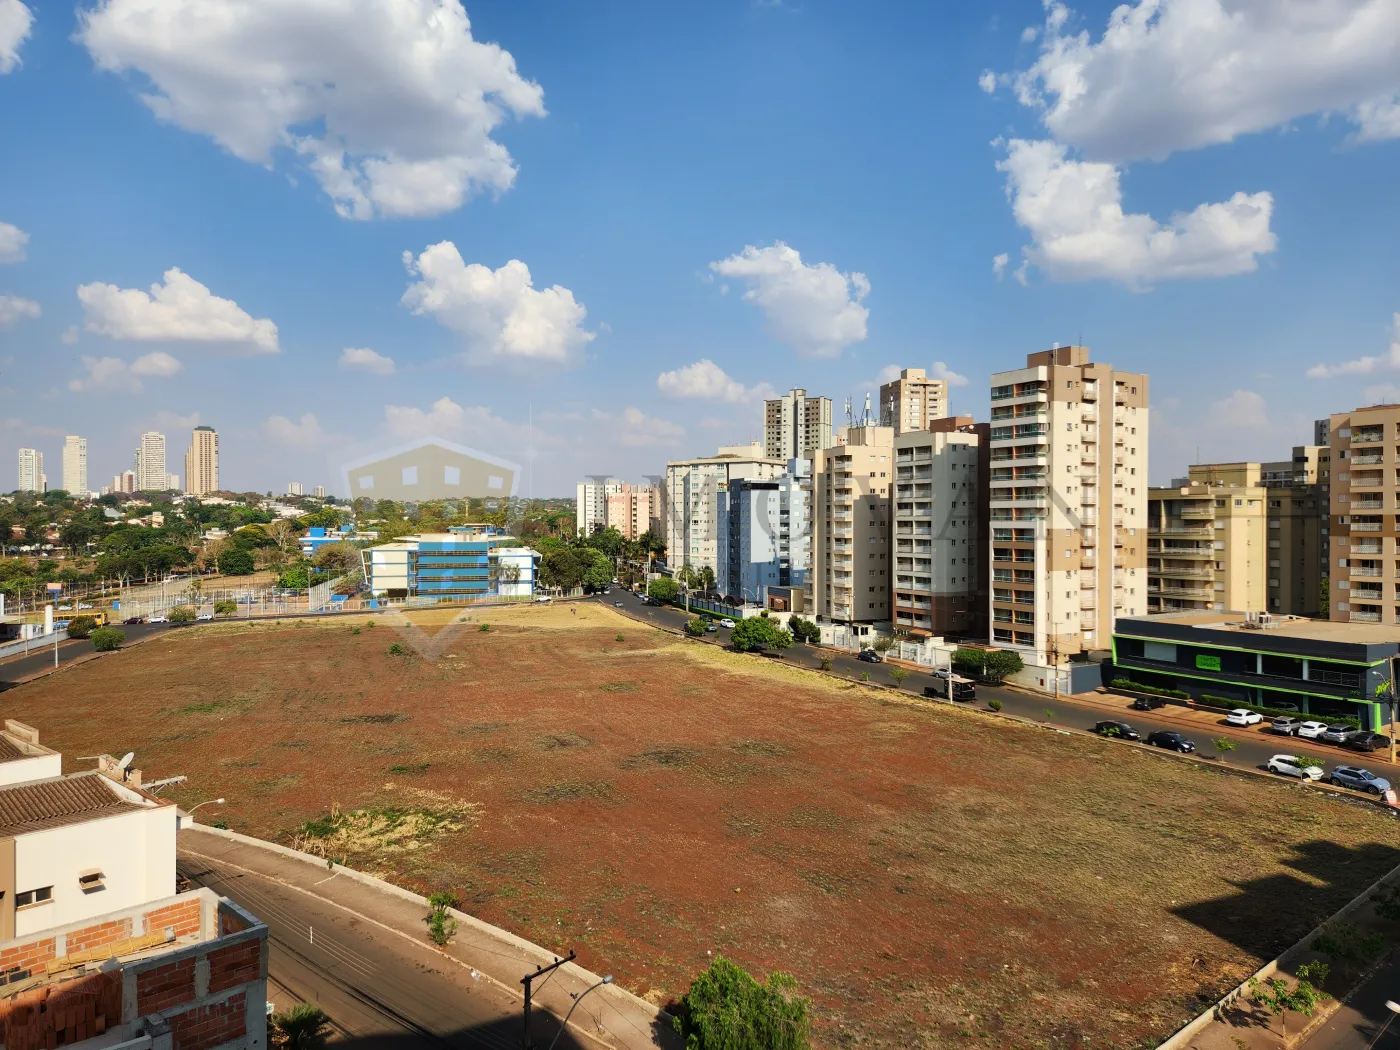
x=45, y=804
x=8, y=751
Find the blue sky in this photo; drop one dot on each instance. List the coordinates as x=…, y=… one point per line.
x=660, y=211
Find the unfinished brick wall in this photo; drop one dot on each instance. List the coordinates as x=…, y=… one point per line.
x=230, y=922
x=234, y=965
x=183, y=916
x=97, y=936
x=165, y=986
x=28, y=955
x=207, y=1026
x=61, y=1014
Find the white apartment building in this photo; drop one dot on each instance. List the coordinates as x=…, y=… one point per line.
x=796, y=425
x=294, y=488
x=150, y=463
x=31, y=471
x=765, y=533
x=690, y=506
x=1068, y=499
x=939, y=584
x=319, y=492
x=202, y=462
x=851, y=501
x=75, y=474
x=591, y=502
x=912, y=401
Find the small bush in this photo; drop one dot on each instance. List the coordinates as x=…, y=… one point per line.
x=354, y=630
x=1223, y=745
x=994, y=704
x=726, y=1009
x=303, y=1027
x=485, y=627
x=620, y=638
x=865, y=676
x=81, y=626
x=107, y=639
x=899, y=674
x=824, y=663
x=1152, y=690
x=441, y=926
x=397, y=650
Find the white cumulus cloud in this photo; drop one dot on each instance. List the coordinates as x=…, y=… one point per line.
x=305, y=432
x=15, y=20
x=1169, y=75
x=1242, y=410
x=472, y=424
x=180, y=310
x=706, y=381
x=1079, y=230
x=500, y=314
x=633, y=428
x=114, y=374
x=942, y=371
x=999, y=265
x=13, y=309
x=815, y=309
x=366, y=360
x=1364, y=366
x=391, y=104
x=12, y=240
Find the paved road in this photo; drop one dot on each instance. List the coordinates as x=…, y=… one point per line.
x=1253, y=748
x=379, y=989
x=1363, y=1021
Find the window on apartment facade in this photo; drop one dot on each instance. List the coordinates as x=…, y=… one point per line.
x=91, y=880
x=42, y=895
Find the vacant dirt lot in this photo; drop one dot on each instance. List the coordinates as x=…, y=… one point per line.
x=933, y=878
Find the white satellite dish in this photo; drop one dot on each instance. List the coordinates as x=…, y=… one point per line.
x=126, y=760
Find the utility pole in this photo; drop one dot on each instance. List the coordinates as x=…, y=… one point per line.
x=526, y=981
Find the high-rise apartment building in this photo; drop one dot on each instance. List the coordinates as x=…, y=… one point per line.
x=591, y=503
x=1207, y=541
x=1068, y=503
x=202, y=462
x=851, y=502
x=940, y=558
x=31, y=471
x=1364, y=489
x=151, y=475
x=796, y=425
x=294, y=488
x=765, y=533
x=912, y=401
x=690, y=500
x=75, y=474
x=319, y=492
x=632, y=508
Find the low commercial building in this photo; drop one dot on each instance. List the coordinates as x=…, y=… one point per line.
x=1319, y=667
x=470, y=561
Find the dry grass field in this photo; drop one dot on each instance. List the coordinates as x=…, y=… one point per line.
x=933, y=877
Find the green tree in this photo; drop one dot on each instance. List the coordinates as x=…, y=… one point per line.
x=81, y=626
x=883, y=644
x=1223, y=745
x=337, y=558
x=663, y=589
x=726, y=1009
x=779, y=639
x=297, y=578
x=707, y=579
x=899, y=674
x=182, y=614
x=804, y=630
x=695, y=627
x=969, y=662
x=1001, y=664
x=1278, y=998
x=755, y=634
x=235, y=561
x=303, y=1027
x=107, y=639
x=225, y=608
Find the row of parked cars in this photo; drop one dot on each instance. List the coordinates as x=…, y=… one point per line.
x=1347, y=736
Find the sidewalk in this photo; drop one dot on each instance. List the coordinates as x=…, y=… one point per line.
x=611, y=1015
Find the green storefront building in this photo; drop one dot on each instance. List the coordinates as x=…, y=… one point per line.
x=1318, y=667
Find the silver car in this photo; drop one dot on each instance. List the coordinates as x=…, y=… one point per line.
x=1285, y=725
x=1337, y=734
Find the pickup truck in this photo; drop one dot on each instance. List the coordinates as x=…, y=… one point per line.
x=952, y=688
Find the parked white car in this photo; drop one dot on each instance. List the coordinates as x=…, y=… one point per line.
x=1312, y=730
x=158, y=619
x=541, y=597
x=1243, y=716
x=1293, y=766
x=726, y=622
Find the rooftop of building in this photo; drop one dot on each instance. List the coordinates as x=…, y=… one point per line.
x=19, y=741
x=39, y=805
x=1277, y=627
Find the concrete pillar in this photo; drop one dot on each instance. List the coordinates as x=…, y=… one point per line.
x=1305, y=668
x=48, y=619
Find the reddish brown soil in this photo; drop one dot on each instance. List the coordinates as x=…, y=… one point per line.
x=932, y=877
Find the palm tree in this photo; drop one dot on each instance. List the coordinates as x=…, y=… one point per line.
x=303, y=1027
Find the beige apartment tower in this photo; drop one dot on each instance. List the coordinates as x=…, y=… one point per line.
x=1206, y=542
x=202, y=462
x=75, y=472
x=853, y=483
x=1364, y=561
x=912, y=401
x=690, y=505
x=939, y=580
x=1068, y=500
x=796, y=425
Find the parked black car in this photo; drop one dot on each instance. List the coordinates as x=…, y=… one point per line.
x=870, y=656
x=1147, y=703
x=1171, y=741
x=1108, y=727
x=134, y=619
x=1364, y=741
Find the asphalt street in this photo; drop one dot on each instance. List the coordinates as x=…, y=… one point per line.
x=379, y=990
x=1253, y=748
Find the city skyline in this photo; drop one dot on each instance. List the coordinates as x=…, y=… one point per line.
x=268, y=288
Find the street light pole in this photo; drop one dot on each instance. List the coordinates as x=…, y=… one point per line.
x=527, y=980
x=606, y=980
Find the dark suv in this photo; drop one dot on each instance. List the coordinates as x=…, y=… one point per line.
x=1147, y=703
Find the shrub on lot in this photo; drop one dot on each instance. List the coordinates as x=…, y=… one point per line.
x=726, y=1009
x=397, y=650
x=663, y=589
x=1001, y=664
x=1154, y=690
x=182, y=614
x=485, y=627
x=225, y=608
x=81, y=626
x=825, y=663
x=441, y=926
x=1348, y=945
x=994, y=704
x=695, y=627
x=303, y=1027
x=106, y=639
x=804, y=630
x=620, y=638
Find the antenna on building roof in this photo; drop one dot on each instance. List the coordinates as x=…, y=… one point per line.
x=849, y=420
